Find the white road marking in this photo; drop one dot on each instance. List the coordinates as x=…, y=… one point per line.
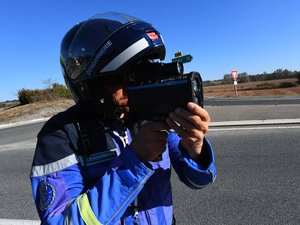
x=253, y=128
x=18, y=145
x=19, y=222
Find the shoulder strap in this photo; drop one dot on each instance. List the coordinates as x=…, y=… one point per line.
x=72, y=133
x=87, y=135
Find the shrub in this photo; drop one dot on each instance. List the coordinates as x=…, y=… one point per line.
x=298, y=77
x=25, y=96
x=286, y=85
x=57, y=91
x=60, y=91
x=265, y=86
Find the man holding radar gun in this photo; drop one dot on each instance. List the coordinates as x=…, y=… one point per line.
x=107, y=159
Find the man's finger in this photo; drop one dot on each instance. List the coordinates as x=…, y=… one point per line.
x=197, y=110
x=158, y=126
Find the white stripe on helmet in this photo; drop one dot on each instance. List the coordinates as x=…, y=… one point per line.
x=126, y=55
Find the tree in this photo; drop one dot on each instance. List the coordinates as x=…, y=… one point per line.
x=227, y=79
x=60, y=91
x=243, y=78
x=298, y=77
x=48, y=83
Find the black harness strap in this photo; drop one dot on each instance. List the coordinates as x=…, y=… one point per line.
x=88, y=137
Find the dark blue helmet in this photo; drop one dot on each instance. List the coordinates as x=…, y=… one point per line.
x=106, y=45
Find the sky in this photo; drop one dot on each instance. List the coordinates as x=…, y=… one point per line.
x=252, y=36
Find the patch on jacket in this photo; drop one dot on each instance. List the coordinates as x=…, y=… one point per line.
x=99, y=157
x=46, y=193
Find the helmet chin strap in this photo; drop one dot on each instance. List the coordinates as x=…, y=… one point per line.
x=102, y=104
x=106, y=112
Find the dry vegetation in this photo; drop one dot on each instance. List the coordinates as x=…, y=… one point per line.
x=31, y=111
x=252, y=89
x=14, y=113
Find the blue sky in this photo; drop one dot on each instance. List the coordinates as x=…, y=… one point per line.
x=252, y=36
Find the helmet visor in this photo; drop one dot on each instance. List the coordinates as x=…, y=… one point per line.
x=84, y=45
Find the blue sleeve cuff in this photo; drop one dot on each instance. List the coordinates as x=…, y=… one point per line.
x=200, y=174
x=206, y=157
x=133, y=169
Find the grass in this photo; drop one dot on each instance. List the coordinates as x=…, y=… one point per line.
x=33, y=111
x=11, y=111
x=8, y=104
x=284, y=87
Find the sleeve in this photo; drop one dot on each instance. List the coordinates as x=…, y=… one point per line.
x=60, y=191
x=194, y=175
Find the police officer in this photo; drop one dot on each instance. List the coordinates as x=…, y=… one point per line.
x=89, y=167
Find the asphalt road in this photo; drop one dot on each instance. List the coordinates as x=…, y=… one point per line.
x=258, y=172
x=246, y=100
x=258, y=180
x=16, y=154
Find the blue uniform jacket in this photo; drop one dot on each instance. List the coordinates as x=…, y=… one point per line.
x=108, y=185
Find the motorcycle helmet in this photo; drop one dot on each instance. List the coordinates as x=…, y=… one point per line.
x=105, y=46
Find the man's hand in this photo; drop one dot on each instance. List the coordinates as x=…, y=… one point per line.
x=150, y=141
x=191, y=124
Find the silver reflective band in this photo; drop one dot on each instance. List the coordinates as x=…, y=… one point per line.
x=126, y=55
x=61, y=164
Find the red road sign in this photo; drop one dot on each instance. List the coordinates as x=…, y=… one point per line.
x=234, y=74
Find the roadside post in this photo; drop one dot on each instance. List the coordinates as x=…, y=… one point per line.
x=234, y=74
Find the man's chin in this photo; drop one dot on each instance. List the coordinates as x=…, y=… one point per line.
x=122, y=111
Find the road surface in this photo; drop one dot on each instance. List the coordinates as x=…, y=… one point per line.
x=258, y=172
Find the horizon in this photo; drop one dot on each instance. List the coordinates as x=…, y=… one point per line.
x=204, y=81
x=250, y=36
